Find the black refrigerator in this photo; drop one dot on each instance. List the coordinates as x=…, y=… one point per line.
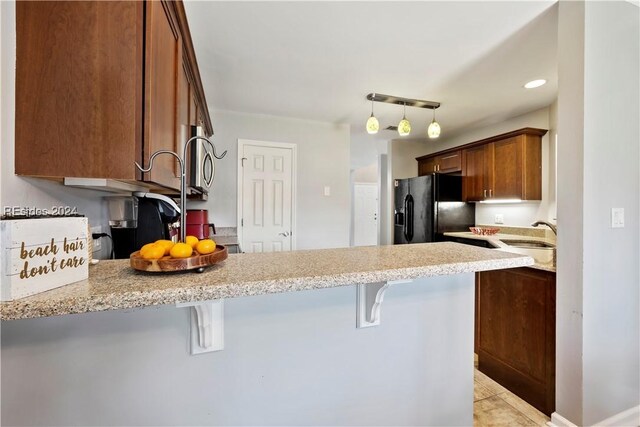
x=428, y=206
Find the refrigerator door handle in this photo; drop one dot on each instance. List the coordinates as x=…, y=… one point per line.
x=408, y=213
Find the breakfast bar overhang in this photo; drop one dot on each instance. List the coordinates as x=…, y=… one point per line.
x=378, y=336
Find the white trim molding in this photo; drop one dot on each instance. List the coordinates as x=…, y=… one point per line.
x=629, y=417
x=626, y=418
x=558, y=420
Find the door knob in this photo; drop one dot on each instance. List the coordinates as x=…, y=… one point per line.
x=284, y=234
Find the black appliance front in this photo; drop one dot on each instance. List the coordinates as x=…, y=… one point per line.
x=401, y=191
x=151, y=227
x=427, y=206
x=422, y=212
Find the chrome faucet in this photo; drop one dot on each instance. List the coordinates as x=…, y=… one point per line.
x=551, y=226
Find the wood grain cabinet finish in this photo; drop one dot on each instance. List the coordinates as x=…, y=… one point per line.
x=446, y=163
x=507, y=166
x=106, y=81
x=476, y=173
x=515, y=332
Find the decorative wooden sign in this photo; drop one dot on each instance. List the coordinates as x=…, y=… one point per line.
x=42, y=254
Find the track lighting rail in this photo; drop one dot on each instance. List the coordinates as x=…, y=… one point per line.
x=409, y=102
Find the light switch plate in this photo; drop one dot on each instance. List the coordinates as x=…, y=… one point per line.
x=327, y=190
x=617, y=217
x=499, y=219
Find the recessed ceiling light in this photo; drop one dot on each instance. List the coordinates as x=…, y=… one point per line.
x=535, y=83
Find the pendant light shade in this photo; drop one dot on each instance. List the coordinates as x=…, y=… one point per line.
x=404, y=127
x=434, y=127
x=372, y=123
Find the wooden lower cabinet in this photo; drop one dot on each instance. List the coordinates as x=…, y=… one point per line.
x=515, y=332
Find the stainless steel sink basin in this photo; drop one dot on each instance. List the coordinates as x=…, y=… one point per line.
x=528, y=244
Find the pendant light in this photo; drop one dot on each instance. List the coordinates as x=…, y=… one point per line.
x=404, y=127
x=434, y=127
x=372, y=124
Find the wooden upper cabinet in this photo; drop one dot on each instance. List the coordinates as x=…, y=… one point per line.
x=475, y=173
x=163, y=73
x=426, y=166
x=78, y=88
x=111, y=82
x=448, y=162
x=508, y=166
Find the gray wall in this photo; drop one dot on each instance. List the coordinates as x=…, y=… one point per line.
x=323, y=160
x=598, y=373
x=611, y=279
x=290, y=359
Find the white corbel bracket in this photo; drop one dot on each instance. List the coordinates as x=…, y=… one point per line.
x=207, y=325
x=369, y=302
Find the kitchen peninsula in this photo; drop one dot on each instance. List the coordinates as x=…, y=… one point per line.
x=289, y=359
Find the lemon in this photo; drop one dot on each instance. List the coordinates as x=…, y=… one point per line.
x=181, y=250
x=206, y=246
x=152, y=252
x=145, y=248
x=166, y=244
x=191, y=241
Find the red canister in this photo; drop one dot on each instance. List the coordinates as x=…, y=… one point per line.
x=198, y=224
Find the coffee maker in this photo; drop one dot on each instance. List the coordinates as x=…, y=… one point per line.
x=140, y=219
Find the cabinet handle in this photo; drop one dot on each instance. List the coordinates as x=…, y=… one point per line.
x=490, y=193
x=435, y=168
x=485, y=193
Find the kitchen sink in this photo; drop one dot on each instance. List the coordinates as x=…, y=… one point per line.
x=528, y=244
x=541, y=252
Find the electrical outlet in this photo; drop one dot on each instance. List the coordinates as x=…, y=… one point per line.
x=499, y=219
x=97, y=243
x=617, y=217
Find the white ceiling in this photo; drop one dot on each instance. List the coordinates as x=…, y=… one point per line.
x=318, y=60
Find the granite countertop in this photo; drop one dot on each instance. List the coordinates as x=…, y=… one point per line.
x=113, y=285
x=495, y=240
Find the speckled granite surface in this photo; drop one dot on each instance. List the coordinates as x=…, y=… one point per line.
x=519, y=233
x=114, y=285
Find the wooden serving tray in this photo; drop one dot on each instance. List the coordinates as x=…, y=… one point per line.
x=168, y=264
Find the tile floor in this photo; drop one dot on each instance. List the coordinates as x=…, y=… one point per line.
x=494, y=405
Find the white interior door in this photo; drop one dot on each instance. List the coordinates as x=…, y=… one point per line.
x=266, y=207
x=365, y=224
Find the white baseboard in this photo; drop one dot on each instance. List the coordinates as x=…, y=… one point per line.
x=628, y=418
x=558, y=420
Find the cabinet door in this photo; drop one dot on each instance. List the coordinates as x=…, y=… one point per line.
x=448, y=163
x=426, y=166
x=506, y=179
x=163, y=71
x=515, y=334
x=184, y=106
x=475, y=173
x=78, y=95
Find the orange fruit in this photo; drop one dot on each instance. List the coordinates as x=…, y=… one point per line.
x=145, y=247
x=181, y=250
x=206, y=246
x=166, y=244
x=191, y=241
x=153, y=252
